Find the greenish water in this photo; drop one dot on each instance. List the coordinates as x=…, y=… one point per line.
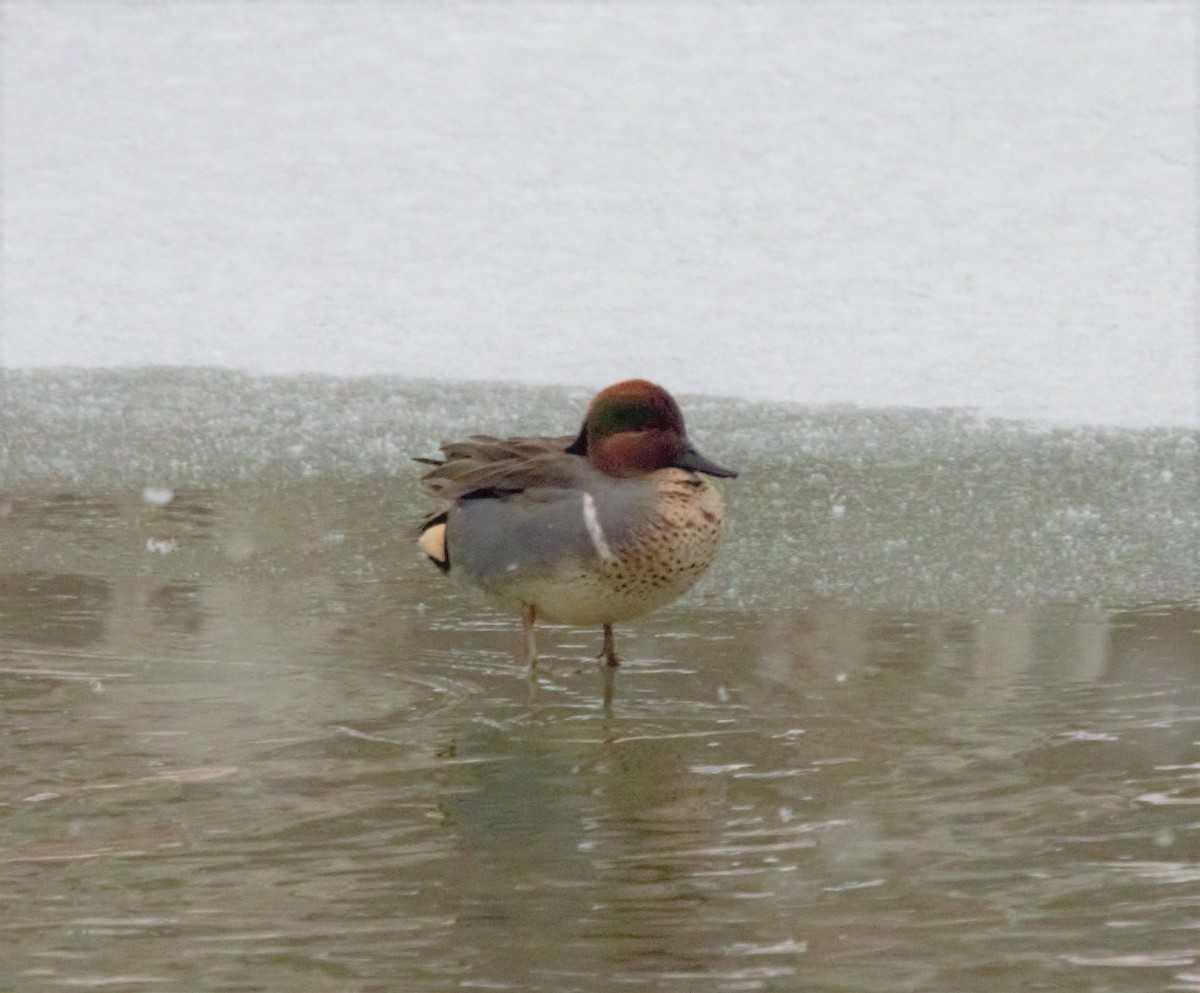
x=931, y=723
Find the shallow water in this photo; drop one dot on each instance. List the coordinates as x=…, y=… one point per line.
x=930, y=722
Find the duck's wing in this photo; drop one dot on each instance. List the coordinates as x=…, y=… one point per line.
x=486, y=466
x=523, y=506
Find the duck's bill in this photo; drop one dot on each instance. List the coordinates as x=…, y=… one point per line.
x=695, y=462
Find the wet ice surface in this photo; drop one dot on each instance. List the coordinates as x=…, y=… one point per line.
x=929, y=723
x=909, y=508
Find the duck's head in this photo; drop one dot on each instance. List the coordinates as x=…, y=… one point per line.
x=635, y=427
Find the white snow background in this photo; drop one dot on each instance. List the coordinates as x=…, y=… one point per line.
x=970, y=204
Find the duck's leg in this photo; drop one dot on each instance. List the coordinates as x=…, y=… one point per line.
x=529, y=643
x=609, y=652
x=610, y=683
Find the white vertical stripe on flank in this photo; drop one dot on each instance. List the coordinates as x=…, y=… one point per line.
x=591, y=521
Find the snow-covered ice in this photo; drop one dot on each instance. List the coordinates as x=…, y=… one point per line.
x=986, y=205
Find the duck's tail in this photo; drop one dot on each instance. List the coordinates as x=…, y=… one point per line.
x=432, y=540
